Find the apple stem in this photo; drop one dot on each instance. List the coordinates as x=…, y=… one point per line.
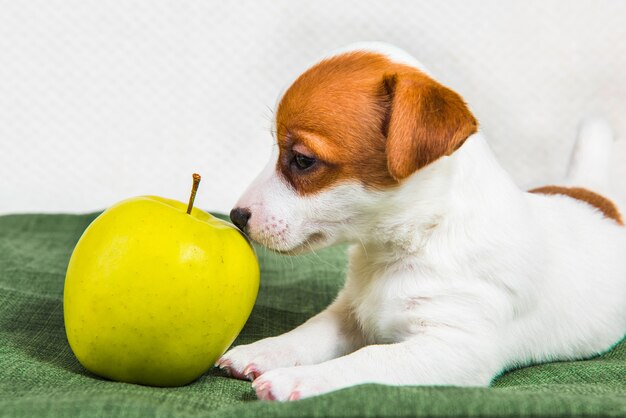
x=194, y=189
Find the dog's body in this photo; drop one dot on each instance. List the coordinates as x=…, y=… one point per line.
x=455, y=273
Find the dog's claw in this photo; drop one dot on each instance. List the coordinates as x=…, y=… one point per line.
x=251, y=372
x=227, y=367
x=224, y=365
x=263, y=390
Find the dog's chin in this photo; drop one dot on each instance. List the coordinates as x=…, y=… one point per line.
x=311, y=243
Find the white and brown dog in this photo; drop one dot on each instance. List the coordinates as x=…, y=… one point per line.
x=455, y=273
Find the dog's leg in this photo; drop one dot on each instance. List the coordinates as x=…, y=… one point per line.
x=331, y=333
x=462, y=360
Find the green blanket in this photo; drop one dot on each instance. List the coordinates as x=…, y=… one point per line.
x=39, y=375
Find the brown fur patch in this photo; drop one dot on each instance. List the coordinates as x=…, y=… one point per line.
x=426, y=122
x=367, y=119
x=600, y=202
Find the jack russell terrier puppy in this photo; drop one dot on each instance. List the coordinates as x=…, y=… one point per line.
x=455, y=274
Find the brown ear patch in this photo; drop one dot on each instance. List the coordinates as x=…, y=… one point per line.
x=600, y=202
x=426, y=121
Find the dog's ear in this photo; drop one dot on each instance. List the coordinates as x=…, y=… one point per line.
x=423, y=122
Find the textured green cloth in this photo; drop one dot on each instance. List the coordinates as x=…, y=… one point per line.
x=39, y=375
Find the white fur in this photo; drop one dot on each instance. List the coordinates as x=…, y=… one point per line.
x=392, y=52
x=284, y=221
x=591, y=156
x=454, y=276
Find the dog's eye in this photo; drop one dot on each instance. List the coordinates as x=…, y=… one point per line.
x=302, y=162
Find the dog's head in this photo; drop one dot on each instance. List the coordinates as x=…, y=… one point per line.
x=348, y=130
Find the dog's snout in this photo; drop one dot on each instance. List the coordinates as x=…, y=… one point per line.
x=240, y=217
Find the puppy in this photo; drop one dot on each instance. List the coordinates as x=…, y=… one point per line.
x=455, y=274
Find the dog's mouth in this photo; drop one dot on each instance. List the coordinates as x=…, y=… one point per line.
x=308, y=244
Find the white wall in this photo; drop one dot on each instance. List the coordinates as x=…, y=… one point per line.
x=100, y=101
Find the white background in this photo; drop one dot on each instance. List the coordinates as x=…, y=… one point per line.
x=103, y=100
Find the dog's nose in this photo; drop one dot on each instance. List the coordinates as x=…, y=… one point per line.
x=240, y=217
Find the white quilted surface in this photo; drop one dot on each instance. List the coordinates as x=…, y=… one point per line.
x=100, y=101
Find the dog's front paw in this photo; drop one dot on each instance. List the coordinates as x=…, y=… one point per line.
x=291, y=383
x=252, y=360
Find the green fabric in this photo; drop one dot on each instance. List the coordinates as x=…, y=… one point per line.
x=39, y=376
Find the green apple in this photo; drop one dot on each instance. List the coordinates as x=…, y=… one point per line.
x=154, y=294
